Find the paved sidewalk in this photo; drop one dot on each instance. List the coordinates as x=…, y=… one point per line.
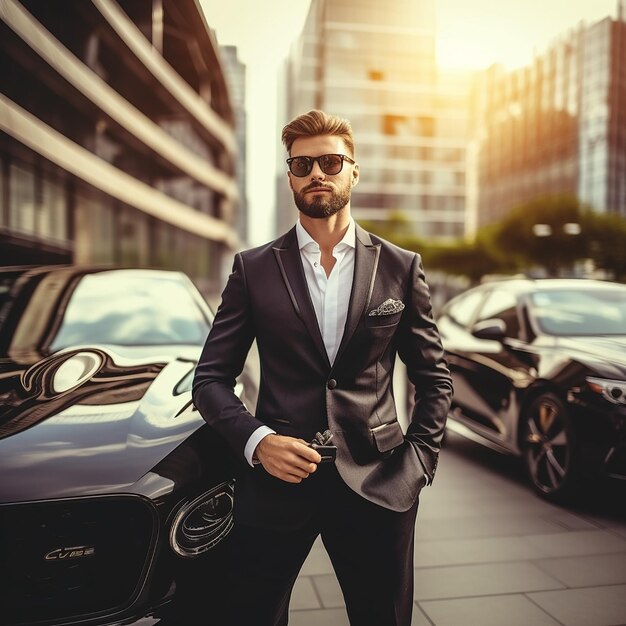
x=490, y=553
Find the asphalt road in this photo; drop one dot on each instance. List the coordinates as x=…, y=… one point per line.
x=490, y=553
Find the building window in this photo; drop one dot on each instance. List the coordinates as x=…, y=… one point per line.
x=53, y=222
x=133, y=237
x=392, y=124
x=21, y=199
x=427, y=126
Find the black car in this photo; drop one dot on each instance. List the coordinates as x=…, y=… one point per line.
x=115, y=497
x=539, y=370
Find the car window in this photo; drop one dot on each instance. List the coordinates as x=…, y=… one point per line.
x=7, y=280
x=462, y=308
x=502, y=305
x=130, y=308
x=580, y=312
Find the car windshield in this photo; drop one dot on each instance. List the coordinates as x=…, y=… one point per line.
x=131, y=309
x=580, y=312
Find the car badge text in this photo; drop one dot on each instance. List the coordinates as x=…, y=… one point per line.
x=76, y=552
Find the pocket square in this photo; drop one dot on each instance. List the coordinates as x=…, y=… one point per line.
x=388, y=307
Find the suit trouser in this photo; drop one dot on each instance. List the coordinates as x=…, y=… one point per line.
x=371, y=549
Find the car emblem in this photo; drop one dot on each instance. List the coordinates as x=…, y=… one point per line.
x=76, y=552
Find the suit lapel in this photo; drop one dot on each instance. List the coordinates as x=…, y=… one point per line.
x=366, y=256
x=290, y=264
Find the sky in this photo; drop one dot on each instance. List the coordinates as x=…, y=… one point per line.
x=470, y=35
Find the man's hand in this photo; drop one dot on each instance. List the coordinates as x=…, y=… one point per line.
x=287, y=458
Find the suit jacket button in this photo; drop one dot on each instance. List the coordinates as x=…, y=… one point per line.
x=332, y=383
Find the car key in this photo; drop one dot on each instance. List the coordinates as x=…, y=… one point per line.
x=320, y=443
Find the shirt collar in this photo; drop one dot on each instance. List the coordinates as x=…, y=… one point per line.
x=304, y=239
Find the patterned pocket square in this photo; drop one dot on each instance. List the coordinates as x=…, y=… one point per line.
x=388, y=307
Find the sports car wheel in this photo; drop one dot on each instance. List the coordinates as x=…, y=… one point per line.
x=549, y=449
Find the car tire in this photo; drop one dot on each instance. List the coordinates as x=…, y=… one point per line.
x=550, y=450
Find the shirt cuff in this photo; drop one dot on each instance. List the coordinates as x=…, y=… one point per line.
x=253, y=442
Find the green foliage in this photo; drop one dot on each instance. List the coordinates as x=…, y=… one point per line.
x=607, y=242
x=572, y=232
x=462, y=258
x=602, y=236
x=516, y=234
x=395, y=229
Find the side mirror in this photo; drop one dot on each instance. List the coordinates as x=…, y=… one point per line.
x=492, y=330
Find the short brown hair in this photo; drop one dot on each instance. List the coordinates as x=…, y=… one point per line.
x=316, y=123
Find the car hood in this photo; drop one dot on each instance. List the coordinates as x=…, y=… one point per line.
x=122, y=416
x=606, y=355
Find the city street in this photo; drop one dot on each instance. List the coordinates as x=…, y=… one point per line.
x=490, y=553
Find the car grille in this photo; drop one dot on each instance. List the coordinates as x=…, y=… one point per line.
x=73, y=558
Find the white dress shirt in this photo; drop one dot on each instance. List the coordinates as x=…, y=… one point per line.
x=330, y=296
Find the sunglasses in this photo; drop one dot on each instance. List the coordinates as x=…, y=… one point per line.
x=330, y=164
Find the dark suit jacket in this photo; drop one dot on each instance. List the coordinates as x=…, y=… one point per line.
x=267, y=298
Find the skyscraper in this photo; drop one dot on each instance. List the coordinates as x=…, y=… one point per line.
x=235, y=75
x=602, y=121
x=555, y=126
x=374, y=63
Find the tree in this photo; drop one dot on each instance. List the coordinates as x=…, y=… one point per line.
x=461, y=258
x=547, y=231
x=554, y=232
x=607, y=242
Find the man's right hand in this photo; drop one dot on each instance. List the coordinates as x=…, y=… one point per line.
x=287, y=458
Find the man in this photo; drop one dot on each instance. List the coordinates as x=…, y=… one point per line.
x=329, y=306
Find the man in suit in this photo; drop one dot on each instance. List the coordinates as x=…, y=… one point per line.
x=330, y=306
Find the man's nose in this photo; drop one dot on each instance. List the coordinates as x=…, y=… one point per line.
x=316, y=171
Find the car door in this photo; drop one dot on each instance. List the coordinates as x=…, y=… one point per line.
x=454, y=324
x=497, y=370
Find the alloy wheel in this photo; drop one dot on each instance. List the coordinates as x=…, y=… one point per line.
x=547, y=445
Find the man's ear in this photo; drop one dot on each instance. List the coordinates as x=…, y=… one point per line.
x=289, y=179
x=355, y=174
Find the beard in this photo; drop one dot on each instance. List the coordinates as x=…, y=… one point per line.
x=322, y=206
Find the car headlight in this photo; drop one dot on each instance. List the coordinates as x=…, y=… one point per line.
x=201, y=524
x=613, y=390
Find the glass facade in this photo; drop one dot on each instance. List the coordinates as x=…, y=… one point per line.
x=152, y=132
x=22, y=208
x=374, y=64
x=54, y=216
x=35, y=208
x=111, y=233
x=235, y=72
x=555, y=127
x=603, y=128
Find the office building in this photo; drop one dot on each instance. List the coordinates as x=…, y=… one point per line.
x=235, y=74
x=557, y=126
x=602, y=129
x=374, y=63
x=117, y=140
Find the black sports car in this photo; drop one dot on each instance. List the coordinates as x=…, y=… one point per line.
x=539, y=370
x=115, y=497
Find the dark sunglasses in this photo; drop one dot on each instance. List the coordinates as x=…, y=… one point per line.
x=330, y=164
